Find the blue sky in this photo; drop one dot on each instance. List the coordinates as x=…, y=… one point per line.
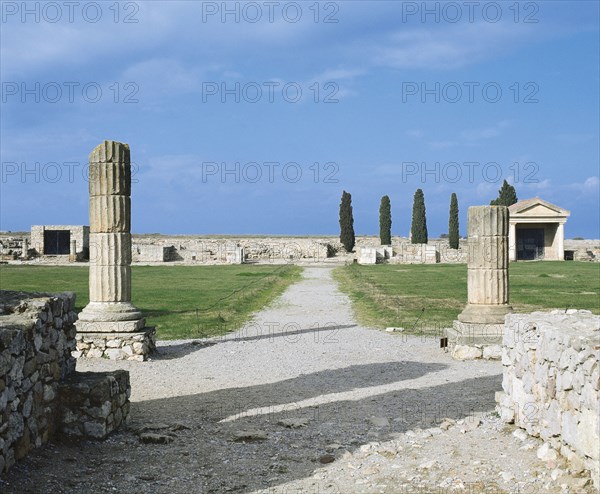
x=250, y=117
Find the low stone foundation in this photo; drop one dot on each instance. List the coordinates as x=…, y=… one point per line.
x=117, y=346
x=93, y=404
x=551, y=384
x=469, y=341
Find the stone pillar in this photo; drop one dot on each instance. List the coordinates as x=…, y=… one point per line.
x=512, y=242
x=73, y=251
x=478, y=331
x=24, y=248
x=560, y=242
x=110, y=309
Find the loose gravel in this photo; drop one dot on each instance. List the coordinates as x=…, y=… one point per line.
x=302, y=399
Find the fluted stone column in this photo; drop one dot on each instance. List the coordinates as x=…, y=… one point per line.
x=110, y=308
x=478, y=331
x=487, y=277
x=24, y=248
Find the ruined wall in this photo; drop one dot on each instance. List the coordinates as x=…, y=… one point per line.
x=152, y=253
x=220, y=250
x=287, y=249
x=214, y=250
x=584, y=250
x=11, y=245
x=36, y=339
x=40, y=392
x=551, y=383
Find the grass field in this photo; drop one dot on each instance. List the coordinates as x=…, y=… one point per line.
x=181, y=301
x=429, y=297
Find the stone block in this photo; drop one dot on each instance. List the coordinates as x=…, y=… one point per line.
x=109, y=179
x=110, y=249
x=465, y=352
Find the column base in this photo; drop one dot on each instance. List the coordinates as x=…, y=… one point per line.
x=110, y=327
x=484, y=314
x=470, y=341
x=137, y=345
x=110, y=312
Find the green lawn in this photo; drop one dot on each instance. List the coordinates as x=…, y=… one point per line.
x=429, y=297
x=181, y=301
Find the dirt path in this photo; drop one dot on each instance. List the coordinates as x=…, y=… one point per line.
x=316, y=403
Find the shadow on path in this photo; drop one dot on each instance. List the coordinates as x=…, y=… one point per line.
x=178, y=350
x=203, y=456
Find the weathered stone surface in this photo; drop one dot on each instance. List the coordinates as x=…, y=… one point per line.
x=487, y=285
x=293, y=423
x=110, y=248
x=109, y=179
x=487, y=264
x=465, y=352
x=246, y=435
x=548, y=360
x=155, y=438
x=94, y=404
x=122, y=344
x=110, y=309
x=36, y=336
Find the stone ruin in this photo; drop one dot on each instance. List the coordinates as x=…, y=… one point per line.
x=375, y=255
x=405, y=252
x=551, y=385
x=110, y=325
x=478, y=331
x=59, y=242
x=41, y=394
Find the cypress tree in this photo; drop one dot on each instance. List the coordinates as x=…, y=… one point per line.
x=507, y=195
x=418, y=230
x=453, y=234
x=385, y=221
x=346, y=222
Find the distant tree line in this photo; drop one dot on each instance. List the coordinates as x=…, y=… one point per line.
x=507, y=196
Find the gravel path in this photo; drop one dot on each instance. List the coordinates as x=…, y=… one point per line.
x=302, y=399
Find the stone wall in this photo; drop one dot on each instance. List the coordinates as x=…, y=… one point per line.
x=551, y=384
x=93, y=404
x=222, y=250
x=584, y=250
x=36, y=339
x=375, y=255
x=116, y=345
x=40, y=392
x=152, y=253
x=11, y=246
x=214, y=250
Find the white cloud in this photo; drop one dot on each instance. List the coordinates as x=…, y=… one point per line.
x=442, y=144
x=486, y=190
x=476, y=135
x=449, y=48
x=414, y=133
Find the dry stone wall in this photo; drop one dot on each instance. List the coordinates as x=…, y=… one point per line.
x=40, y=392
x=36, y=339
x=551, y=383
x=93, y=404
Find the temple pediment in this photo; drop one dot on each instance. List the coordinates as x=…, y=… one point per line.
x=537, y=207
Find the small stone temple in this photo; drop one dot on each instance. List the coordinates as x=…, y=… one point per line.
x=110, y=325
x=61, y=240
x=536, y=230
